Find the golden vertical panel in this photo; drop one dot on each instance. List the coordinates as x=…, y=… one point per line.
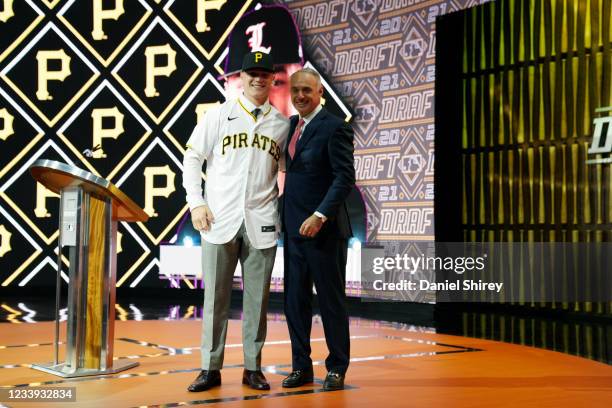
x=534, y=72
x=96, y=273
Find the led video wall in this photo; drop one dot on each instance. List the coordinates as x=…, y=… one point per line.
x=115, y=87
x=533, y=140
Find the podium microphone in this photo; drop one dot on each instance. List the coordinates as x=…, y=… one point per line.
x=90, y=152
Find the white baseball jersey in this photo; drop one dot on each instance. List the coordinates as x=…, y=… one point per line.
x=243, y=156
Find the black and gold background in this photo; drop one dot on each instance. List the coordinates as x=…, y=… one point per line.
x=69, y=67
x=523, y=82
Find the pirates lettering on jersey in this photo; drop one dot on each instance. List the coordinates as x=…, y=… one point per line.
x=261, y=142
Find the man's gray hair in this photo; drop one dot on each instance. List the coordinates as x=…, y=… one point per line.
x=310, y=71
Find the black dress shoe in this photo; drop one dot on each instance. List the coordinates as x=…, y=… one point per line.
x=297, y=378
x=255, y=380
x=333, y=381
x=204, y=381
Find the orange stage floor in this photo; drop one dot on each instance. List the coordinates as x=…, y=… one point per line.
x=391, y=366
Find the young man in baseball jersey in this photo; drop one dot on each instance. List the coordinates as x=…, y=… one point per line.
x=242, y=142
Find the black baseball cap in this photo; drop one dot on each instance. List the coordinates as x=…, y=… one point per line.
x=277, y=34
x=258, y=60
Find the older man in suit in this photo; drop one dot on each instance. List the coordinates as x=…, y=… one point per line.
x=319, y=177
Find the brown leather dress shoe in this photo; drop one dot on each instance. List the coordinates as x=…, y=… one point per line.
x=205, y=380
x=297, y=378
x=255, y=380
x=333, y=381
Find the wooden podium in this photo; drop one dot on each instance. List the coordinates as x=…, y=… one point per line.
x=90, y=207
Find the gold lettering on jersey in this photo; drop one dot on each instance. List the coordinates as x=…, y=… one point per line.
x=7, y=11
x=236, y=141
x=202, y=108
x=255, y=142
x=227, y=140
x=204, y=5
x=6, y=121
x=265, y=140
x=153, y=70
x=44, y=75
x=5, y=241
x=42, y=193
x=241, y=140
x=151, y=191
x=100, y=132
x=274, y=149
x=273, y=146
x=100, y=14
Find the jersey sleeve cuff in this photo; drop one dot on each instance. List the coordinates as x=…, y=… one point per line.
x=196, y=202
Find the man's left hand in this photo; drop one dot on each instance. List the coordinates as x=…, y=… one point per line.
x=311, y=226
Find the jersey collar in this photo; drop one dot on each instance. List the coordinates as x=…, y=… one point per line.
x=248, y=106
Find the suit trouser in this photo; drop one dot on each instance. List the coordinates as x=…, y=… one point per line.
x=322, y=261
x=218, y=266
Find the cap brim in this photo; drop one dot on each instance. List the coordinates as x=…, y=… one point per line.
x=229, y=74
x=257, y=69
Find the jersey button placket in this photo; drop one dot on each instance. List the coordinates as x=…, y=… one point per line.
x=247, y=163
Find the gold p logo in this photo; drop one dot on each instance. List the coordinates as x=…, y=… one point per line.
x=151, y=191
x=258, y=56
x=44, y=75
x=6, y=119
x=42, y=193
x=162, y=70
x=99, y=132
x=119, y=242
x=100, y=14
x=204, y=5
x=5, y=241
x=7, y=12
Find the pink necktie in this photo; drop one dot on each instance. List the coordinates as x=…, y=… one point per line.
x=295, y=137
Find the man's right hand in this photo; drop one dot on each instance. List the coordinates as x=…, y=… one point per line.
x=202, y=218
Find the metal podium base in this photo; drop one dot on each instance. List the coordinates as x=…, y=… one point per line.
x=63, y=370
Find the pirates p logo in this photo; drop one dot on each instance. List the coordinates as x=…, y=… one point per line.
x=100, y=14
x=153, y=70
x=151, y=191
x=100, y=132
x=45, y=75
x=6, y=124
x=258, y=56
x=42, y=193
x=204, y=5
x=5, y=241
x=119, y=242
x=7, y=11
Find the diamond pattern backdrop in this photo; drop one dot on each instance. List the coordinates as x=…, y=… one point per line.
x=131, y=75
